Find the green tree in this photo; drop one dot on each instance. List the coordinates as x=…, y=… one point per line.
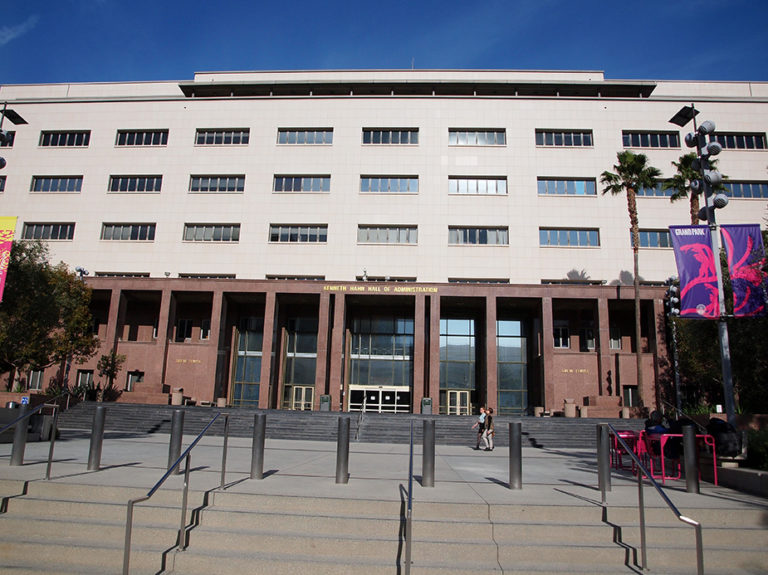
x=631, y=173
x=109, y=365
x=681, y=183
x=44, y=316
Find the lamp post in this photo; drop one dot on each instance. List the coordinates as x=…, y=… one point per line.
x=709, y=179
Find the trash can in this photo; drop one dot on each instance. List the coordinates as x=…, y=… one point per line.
x=426, y=405
x=325, y=403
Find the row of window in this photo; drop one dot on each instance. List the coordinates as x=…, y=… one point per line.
x=368, y=184
x=399, y=136
x=318, y=233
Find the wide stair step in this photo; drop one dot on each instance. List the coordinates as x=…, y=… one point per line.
x=555, y=433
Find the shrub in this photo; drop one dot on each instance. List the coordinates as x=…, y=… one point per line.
x=757, y=450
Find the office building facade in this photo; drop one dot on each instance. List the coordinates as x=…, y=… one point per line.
x=370, y=240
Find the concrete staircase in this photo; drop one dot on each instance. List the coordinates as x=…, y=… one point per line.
x=555, y=432
x=56, y=528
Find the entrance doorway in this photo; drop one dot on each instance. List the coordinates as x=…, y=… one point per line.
x=458, y=402
x=301, y=397
x=380, y=399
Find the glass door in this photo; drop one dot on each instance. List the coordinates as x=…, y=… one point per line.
x=458, y=402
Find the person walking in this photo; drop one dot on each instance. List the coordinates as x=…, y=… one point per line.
x=480, y=424
x=488, y=432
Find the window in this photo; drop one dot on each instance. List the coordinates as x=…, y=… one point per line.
x=128, y=232
x=458, y=349
x=482, y=186
x=35, y=380
x=478, y=236
x=65, y=139
x=650, y=139
x=557, y=187
x=57, y=183
x=387, y=234
x=578, y=238
x=296, y=278
x=142, y=138
x=745, y=189
x=381, y=351
x=512, y=363
x=122, y=274
x=285, y=233
x=85, y=377
x=737, y=141
x=564, y=138
x=312, y=136
x=461, y=137
x=205, y=329
x=38, y=231
x=134, y=377
x=207, y=276
x=630, y=397
x=587, y=338
x=10, y=136
x=135, y=183
x=390, y=136
x=211, y=232
x=2, y=184
x=615, y=337
x=478, y=280
x=561, y=334
x=183, y=329
x=231, y=137
x=653, y=239
x=389, y=184
x=217, y=184
x=302, y=184
x=657, y=191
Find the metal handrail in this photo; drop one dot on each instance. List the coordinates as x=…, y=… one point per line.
x=680, y=412
x=642, y=470
x=408, y=515
x=181, y=541
x=54, y=428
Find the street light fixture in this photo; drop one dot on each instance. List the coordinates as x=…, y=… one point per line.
x=702, y=138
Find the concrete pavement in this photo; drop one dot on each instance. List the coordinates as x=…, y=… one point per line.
x=376, y=472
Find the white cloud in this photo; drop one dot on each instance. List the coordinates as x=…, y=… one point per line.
x=8, y=33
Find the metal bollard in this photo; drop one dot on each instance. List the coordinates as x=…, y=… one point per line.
x=177, y=430
x=342, y=451
x=691, y=459
x=97, y=438
x=20, y=438
x=604, y=459
x=257, y=449
x=428, y=454
x=515, y=455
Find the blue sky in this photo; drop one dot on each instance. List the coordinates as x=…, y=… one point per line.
x=119, y=40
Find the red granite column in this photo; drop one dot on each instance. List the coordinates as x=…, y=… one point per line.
x=491, y=372
x=163, y=328
x=115, y=314
x=547, y=353
x=419, y=350
x=337, y=352
x=321, y=365
x=434, y=352
x=607, y=378
x=267, y=346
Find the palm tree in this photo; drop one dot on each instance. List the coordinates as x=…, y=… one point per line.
x=631, y=174
x=681, y=183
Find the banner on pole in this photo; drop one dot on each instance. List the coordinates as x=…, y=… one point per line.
x=746, y=255
x=7, y=229
x=696, y=270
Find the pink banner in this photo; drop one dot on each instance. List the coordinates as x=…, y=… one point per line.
x=746, y=256
x=7, y=228
x=696, y=269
